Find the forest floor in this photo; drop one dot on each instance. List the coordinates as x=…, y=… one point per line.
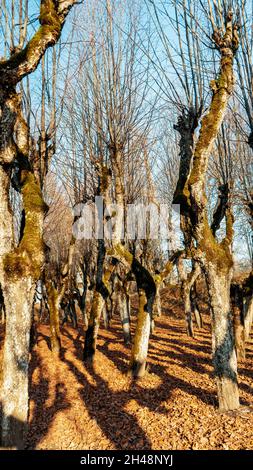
x=173, y=407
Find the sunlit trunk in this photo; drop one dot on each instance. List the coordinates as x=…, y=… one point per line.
x=20, y=270
x=91, y=334
x=248, y=317
x=223, y=341
x=188, y=308
x=54, y=300
x=123, y=306
x=14, y=394
x=141, y=338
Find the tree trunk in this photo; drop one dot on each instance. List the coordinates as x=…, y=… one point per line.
x=54, y=299
x=20, y=269
x=223, y=341
x=14, y=393
x=84, y=298
x=105, y=316
x=236, y=298
x=141, y=338
x=186, y=288
x=157, y=303
x=239, y=333
x=197, y=314
x=90, y=341
x=248, y=317
x=123, y=305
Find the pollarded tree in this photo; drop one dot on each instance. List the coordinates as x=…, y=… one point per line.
x=21, y=266
x=184, y=57
x=215, y=257
x=112, y=87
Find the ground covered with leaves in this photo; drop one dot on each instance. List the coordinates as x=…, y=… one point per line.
x=74, y=406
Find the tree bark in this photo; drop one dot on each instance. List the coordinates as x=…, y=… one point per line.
x=141, y=338
x=187, y=286
x=123, y=304
x=21, y=270
x=20, y=267
x=100, y=298
x=91, y=334
x=14, y=393
x=223, y=342
x=248, y=317
x=236, y=298
x=54, y=300
x=214, y=257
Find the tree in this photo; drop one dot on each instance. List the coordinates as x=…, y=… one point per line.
x=215, y=257
x=21, y=266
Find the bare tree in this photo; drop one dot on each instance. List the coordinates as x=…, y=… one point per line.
x=21, y=265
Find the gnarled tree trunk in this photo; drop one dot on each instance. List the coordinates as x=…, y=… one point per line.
x=20, y=267
x=248, y=317
x=54, y=300
x=141, y=337
x=125, y=318
x=223, y=342
x=215, y=258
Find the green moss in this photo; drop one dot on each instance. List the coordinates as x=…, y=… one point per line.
x=120, y=252
x=105, y=180
x=48, y=14
x=216, y=253
x=50, y=23
x=27, y=258
x=31, y=192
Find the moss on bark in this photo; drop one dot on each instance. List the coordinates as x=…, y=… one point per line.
x=28, y=257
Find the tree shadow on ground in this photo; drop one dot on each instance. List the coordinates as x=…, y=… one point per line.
x=106, y=407
x=43, y=414
x=109, y=408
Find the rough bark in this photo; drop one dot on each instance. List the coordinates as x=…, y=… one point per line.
x=248, y=317
x=247, y=289
x=54, y=300
x=20, y=267
x=146, y=287
x=236, y=297
x=14, y=393
x=187, y=286
x=223, y=342
x=52, y=17
x=123, y=303
x=194, y=306
x=215, y=258
x=93, y=327
x=141, y=338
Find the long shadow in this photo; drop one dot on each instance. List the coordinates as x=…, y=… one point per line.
x=201, y=346
x=169, y=382
x=153, y=398
x=46, y=338
x=77, y=342
x=43, y=414
x=195, y=362
x=107, y=408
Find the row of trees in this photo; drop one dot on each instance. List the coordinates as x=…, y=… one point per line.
x=140, y=104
